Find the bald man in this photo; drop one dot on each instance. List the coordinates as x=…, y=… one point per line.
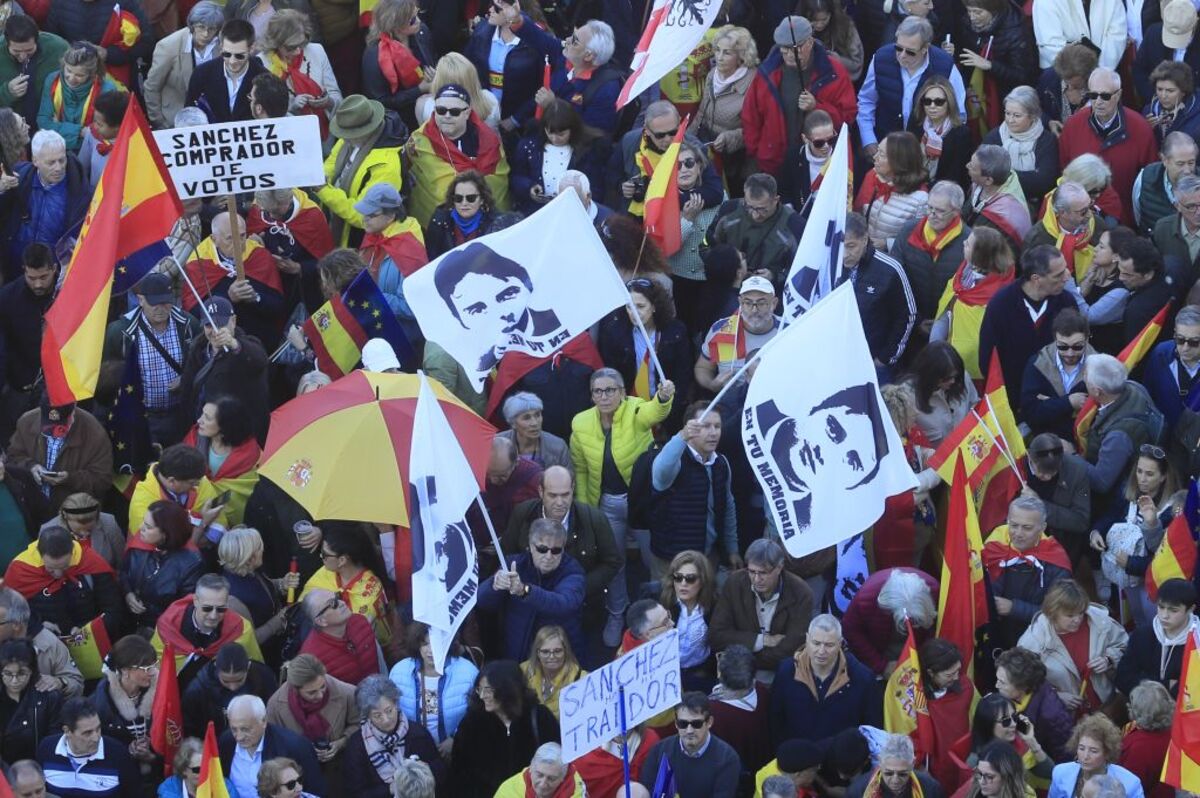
x=511, y=480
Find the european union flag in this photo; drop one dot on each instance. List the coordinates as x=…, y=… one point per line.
x=132, y=269
x=127, y=424
x=369, y=308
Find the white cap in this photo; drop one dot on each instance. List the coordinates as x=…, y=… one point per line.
x=757, y=283
x=378, y=355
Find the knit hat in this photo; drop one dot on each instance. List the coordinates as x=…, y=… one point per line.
x=1179, y=21
x=303, y=670
x=794, y=756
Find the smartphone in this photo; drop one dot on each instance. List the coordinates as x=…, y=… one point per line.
x=1022, y=724
x=223, y=499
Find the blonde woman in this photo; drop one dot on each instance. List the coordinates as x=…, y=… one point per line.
x=289, y=52
x=551, y=665
x=455, y=69
x=251, y=594
x=719, y=118
x=69, y=97
x=397, y=66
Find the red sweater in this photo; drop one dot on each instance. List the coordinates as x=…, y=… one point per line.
x=1125, y=151
x=870, y=630
x=748, y=732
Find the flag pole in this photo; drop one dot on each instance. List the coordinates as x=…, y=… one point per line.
x=624, y=740
x=637, y=320
x=1003, y=448
x=235, y=229
x=487, y=519
x=199, y=301
x=1007, y=450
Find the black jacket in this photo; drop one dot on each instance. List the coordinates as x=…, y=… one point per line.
x=242, y=374
x=523, y=66
x=112, y=723
x=85, y=20
x=674, y=351
x=402, y=101
x=79, y=603
x=1142, y=306
x=205, y=698
x=21, y=333
x=1038, y=182
x=360, y=779
x=34, y=717
x=208, y=90
x=1142, y=661
x=956, y=151
x=485, y=753
x=1152, y=53
x=886, y=303
x=278, y=741
x=1013, y=56
x=441, y=235
x=157, y=578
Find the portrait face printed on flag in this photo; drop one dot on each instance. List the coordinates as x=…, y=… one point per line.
x=444, y=564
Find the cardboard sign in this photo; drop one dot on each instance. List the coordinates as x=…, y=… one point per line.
x=590, y=709
x=242, y=157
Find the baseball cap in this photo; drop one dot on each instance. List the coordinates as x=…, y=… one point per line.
x=793, y=30
x=757, y=283
x=379, y=197
x=1179, y=21
x=219, y=310
x=156, y=288
x=378, y=355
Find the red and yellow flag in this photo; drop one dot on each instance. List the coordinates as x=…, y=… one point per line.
x=1130, y=356
x=1175, y=558
x=212, y=778
x=1181, y=768
x=962, y=599
x=134, y=208
x=662, y=213
x=166, y=726
x=986, y=439
x=905, y=708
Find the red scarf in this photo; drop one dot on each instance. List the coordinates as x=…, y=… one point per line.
x=242, y=459
x=398, y=65
x=302, y=83
x=489, y=147
x=565, y=790
x=405, y=251
x=983, y=290
x=170, y=630
x=1071, y=241
x=313, y=724
x=873, y=188
x=103, y=145
x=1047, y=550
x=309, y=227
x=920, y=237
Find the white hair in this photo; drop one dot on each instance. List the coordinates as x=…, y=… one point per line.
x=1067, y=193
x=549, y=754
x=1106, y=374
x=825, y=623
x=576, y=180
x=950, y=190
x=897, y=746
x=44, y=139
x=249, y=703
x=905, y=595
x=1111, y=75
x=190, y=117
x=603, y=43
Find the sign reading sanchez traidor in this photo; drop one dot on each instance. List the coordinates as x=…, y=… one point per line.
x=241, y=157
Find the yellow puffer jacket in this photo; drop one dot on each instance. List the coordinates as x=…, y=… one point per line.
x=382, y=165
x=631, y=435
x=514, y=787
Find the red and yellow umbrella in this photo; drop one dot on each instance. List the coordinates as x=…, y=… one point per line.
x=342, y=451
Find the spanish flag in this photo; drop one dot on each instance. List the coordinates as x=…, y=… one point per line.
x=905, y=708
x=662, y=215
x=212, y=778
x=1130, y=356
x=133, y=210
x=1176, y=555
x=986, y=439
x=341, y=327
x=123, y=32
x=1181, y=768
x=962, y=599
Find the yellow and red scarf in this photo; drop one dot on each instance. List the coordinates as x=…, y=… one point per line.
x=1076, y=247
x=644, y=382
x=60, y=105
x=299, y=82
x=875, y=785
x=930, y=241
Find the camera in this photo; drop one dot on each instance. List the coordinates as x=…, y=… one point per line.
x=640, y=184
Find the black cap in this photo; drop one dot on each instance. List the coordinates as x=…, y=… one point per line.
x=797, y=755
x=219, y=310
x=156, y=288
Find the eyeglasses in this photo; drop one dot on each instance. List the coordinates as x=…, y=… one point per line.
x=681, y=724
x=909, y=52
x=290, y=785
x=325, y=555
x=690, y=579
x=209, y=609
x=1190, y=207
x=1192, y=342
x=16, y=676
x=461, y=198
x=665, y=134
x=687, y=163
x=1070, y=347
x=1150, y=450
x=928, y=101
x=606, y=391
x=1099, y=95
x=758, y=210
x=986, y=778
x=235, y=56
x=453, y=113
x=756, y=304
x=555, y=550
x=552, y=652
x=820, y=144
x=145, y=668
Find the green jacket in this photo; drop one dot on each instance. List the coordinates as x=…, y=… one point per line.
x=49, y=54
x=631, y=435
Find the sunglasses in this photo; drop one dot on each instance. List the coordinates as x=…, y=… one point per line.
x=235, y=56
x=1150, y=450
x=1006, y=721
x=466, y=197
x=1069, y=347
x=665, y=134
x=1099, y=95
x=290, y=785
x=928, y=101
x=208, y=609
x=1192, y=342
x=453, y=113
x=333, y=603
x=820, y=144
x=687, y=163
x=555, y=550
x=690, y=579
x=194, y=770
x=681, y=724
x=909, y=52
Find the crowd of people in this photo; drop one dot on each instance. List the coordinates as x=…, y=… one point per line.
x=1025, y=195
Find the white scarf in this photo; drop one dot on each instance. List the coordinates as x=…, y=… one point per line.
x=720, y=84
x=1169, y=644
x=1021, y=146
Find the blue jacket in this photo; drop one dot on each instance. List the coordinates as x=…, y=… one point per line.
x=889, y=86
x=598, y=107
x=1062, y=782
x=114, y=775
x=522, y=68
x=554, y=598
x=796, y=712
x=526, y=168
x=454, y=688
x=1161, y=384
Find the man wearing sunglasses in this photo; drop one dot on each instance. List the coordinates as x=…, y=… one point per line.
x=200, y=624
x=543, y=585
x=805, y=163
x=705, y=766
x=222, y=86
x=1052, y=389
x=585, y=77
x=1060, y=480
x=1127, y=418
x=640, y=152
x=1172, y=369
x=342, y=639
x=1122, y=137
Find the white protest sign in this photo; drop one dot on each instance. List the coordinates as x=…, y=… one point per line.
x=241, y=157
x=590, y=713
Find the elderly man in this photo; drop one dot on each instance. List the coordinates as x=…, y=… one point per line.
x=731, y=339
x=573, y=178
x=1052, y=387
x=994, y=200
x=393, y=248
x=590, y=83
x=27, y=58
x=804, y=164
x=542, y=585
x=802, y=707
x=1126, y=420
x=762, y=228
x=293, y=230
x=56, y=670
x=640, y=152
x=1060, y=481
x=1177, y=235
x=256, y=292
x=511, y=480
x=931, y=248
x=1022, y=568
x=1141, y=271
x=366, y=151
x=27, y=779
x=43, y=200
x=798, y=77
x=65, y=449
x=151, y=341
x=1106, y=128
x=1172, y=367
x=453, y=140
x=199, y=625
x=250, y=740
x=1154, y=189
x=895, y=75
x=704, y=765
x=885, y=299
x=176, y=56
x=341, y=638
x=83, y=762
x=1071, y=225
x=546, y=777
x=1019, y=319
x=762, y=607
x=23, y=303
x=221, y=86
x=691, y=504
x=896, y=775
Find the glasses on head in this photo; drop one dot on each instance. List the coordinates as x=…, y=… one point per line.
x=664, y=134
x=1070, y=347
x=1099, y=95
x=16, y=676
x=690, y=579
x=605, y=392
x=235, y=56
x=820, y=144
x=911, y=53
x=209, y=609
x=291, y=785
x=1190, y=342
x=1150, y=450
x=464, y=198
x=453, y=113
x=542, y=549
x=756, y=304
x=928, y=101
x=681, y=724
x=688, y=163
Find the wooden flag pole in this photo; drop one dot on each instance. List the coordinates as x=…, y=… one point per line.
x=235, y=229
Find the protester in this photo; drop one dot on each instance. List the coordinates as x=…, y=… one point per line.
x=56, y=670
x=175, y=58
x=230, y=674
x=1032, y=147
x=199, y=626
x=1097, y=743
x=29, y=712
x=590, y=83
x=894, y=190
x=702, y=764
x=251, y=743
x=896, y=775
x=998, y=721
x=551, y=666
x=522, y=412
x=316, y=706
x=209, y=87
x=386, y=738
x=719, y=117
x=930, y=248
x=943, y=131
x=1150, y=709
x=99, y=757
x=351, y=567
x=690, y=594
x=467, y=212
x=27, y=61
x=340, y=638
x=874, y=622
x=50, y=188
x=1155, y=651
x=436, y=700
x=161, y=563
x=186, y=766
x=288, y=52
x=69, y=95
x=398, y=62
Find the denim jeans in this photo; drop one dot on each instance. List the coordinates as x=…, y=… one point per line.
x=616, y=510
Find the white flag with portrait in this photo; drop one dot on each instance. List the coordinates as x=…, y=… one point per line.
x=816, y=431
x=673, y=29
x=528, y=288
x=445, y=578
x=817, y=264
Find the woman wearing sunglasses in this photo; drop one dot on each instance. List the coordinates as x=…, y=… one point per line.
x=467, y=213
x=561, y=142
x=161, y=563
x=124, y=697
x=687, y=265
x=998, y=772
x=189, y=758
x=940, y=125
x=397, y=65
x=551, y=666
x=351, y=565
x=997, y=721
x=281, y=778
x=689, y=592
